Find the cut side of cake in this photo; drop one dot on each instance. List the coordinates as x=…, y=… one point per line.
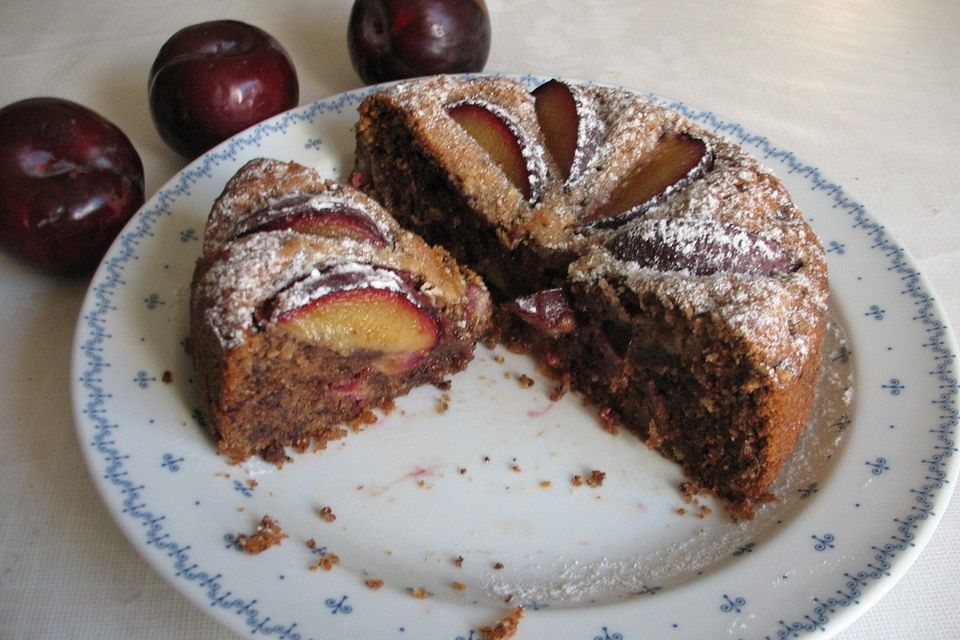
x=655, y=264
x=310, y=306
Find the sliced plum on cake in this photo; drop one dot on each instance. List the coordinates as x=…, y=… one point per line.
x=700, y=247
x=359, y=309
x=571, y=128
x=319, y=215
x=675, y=161
x=548, y=311
x=496, y=131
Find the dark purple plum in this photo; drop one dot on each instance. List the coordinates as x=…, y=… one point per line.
x=69, y=181
x=395, y=39
x=214, y=79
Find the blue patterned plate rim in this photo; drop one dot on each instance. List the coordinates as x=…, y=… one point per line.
x=841, y=597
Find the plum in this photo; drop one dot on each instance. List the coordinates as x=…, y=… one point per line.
x=548, y=310
x=493, y=130
x=395, y=39
x=359, y=308
x=571, y=128
x=319, y=216
x=69, y=181
x=214, y=79
x=675, y=161
x=701, y=247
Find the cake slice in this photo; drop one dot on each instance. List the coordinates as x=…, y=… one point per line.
x=310, y=306
x=654, y=264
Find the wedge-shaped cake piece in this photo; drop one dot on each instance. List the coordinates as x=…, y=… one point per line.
x=310, y=306
x=659, y=267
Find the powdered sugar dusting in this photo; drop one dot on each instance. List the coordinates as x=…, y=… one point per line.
x=699, y=247
x=253, y=269
x=590, y=128
x=262, y=189
x=328, y=279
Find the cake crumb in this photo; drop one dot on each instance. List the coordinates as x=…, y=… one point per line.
x=366, y=417
x=596, y=478
x=268, y=534
x=507, y=598
x=458, y=586
x=576, y=481
x=525, y=381
x=562, y=387
x=374, y=583
x=458, y=561
x=326, y=562
x=507, y=375
x=516, y=468
x=499, y=359
x=463, y=470
x=680, y=511
x=486, y=458
x=388, y=407
x=167, y=377
x=609, y=421
x=326, y=514
x=443, y=385
x=498, y=565
x=443, y=403
x=420, y=593
x=505, y=628
x=690, y=497
x=252, y=483
x=311, y=543
x=545, y=484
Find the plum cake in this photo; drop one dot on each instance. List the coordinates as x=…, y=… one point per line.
x=310, y=306
x=652, y=263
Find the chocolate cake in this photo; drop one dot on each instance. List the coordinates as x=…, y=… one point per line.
x=310, y=306
x=655, y=264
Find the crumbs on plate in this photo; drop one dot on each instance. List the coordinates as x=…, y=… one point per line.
x=326, y=514
x=419, y=593
x=326, y=562
x=505, y=628
x=268, y=534
x=595, y=479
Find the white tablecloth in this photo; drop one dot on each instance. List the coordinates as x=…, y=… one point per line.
x=867, y=91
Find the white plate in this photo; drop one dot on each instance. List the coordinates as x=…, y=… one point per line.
x=415, y=491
